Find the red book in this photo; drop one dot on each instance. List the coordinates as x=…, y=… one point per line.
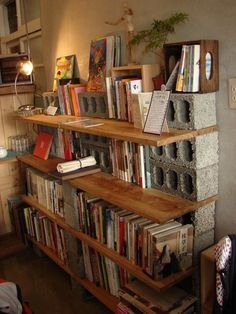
x=42, y=145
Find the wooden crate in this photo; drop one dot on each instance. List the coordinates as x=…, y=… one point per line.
x=206, y=85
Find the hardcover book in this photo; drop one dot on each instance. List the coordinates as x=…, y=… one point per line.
x=97, y=66
x=64, y=69
x=43, y=145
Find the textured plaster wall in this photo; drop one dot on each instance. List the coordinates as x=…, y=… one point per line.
x=68, y=27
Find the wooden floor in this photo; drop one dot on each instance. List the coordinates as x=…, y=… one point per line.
x=47, y=288
x=10, y=245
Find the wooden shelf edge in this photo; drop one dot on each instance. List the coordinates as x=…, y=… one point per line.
x=102, y=295
x=45, y=166
x=118, y=129
x=122, y=261
x=149, y=203
x=10, y=89
x=8, y=161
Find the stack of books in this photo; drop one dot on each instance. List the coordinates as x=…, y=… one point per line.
x=136, y=297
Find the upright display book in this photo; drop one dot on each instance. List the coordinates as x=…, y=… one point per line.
x=97, y=66
x=43, y=145
x=64, y=69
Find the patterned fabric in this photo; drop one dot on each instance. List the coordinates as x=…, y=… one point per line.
x=223, y=254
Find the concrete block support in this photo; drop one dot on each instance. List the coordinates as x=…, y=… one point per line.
x=97, y=146
x=71, y=216
x=203, y=219
x=191, y=111
x=198, y=152
x=74, y=255
x=195, y=185
x=69, y=193
x=94, y=104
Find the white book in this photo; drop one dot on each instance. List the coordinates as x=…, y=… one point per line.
x=196, y=68
x=110, y=104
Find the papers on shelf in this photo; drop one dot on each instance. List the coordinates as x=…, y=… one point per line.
x=84, y=122
x=76, y=164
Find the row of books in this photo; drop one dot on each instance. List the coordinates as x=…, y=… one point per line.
x=136, y=297
x=189, y=69
x=46, y=232
x=68, y=96
x=120, y=89
x=129, y=162
x=102, y=271
x=158, y=249
x=45, y=190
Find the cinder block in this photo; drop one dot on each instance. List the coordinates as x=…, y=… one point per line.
x=197, y=153
x=101, y=154
x=69, y=193
x=71, y=216
x=50, y=98
x=195, y=185
x=74, y=255
x=202, y=242
x=94, y=104
x=97, y=146
x=203, y=219
x=191, y=111
x=95, y=140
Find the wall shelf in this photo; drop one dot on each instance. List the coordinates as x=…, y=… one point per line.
x=10, y=89
x=117, y=129
x=122, y=261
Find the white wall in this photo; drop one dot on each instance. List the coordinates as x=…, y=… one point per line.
x=68, y=27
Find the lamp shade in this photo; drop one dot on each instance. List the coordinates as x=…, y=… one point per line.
x=24, y=67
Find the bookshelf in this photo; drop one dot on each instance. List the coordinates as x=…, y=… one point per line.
x=117, y=192
x=153, y=204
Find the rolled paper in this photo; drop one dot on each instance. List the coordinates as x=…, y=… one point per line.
x=76, y=164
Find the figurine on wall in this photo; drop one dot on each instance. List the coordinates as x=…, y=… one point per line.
x=127, y=17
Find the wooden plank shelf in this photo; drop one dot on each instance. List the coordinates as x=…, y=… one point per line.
x=10, y=89
x=122, y=261
x=101, y=294
x=149, y=203
x=117, y=129
x=45, y=166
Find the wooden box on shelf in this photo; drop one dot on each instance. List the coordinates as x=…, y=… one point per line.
x=209, y=62
x=145, y=71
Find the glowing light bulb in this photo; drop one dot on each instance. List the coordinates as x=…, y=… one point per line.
x=25, y=67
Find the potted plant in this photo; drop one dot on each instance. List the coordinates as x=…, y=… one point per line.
x=156, y=36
